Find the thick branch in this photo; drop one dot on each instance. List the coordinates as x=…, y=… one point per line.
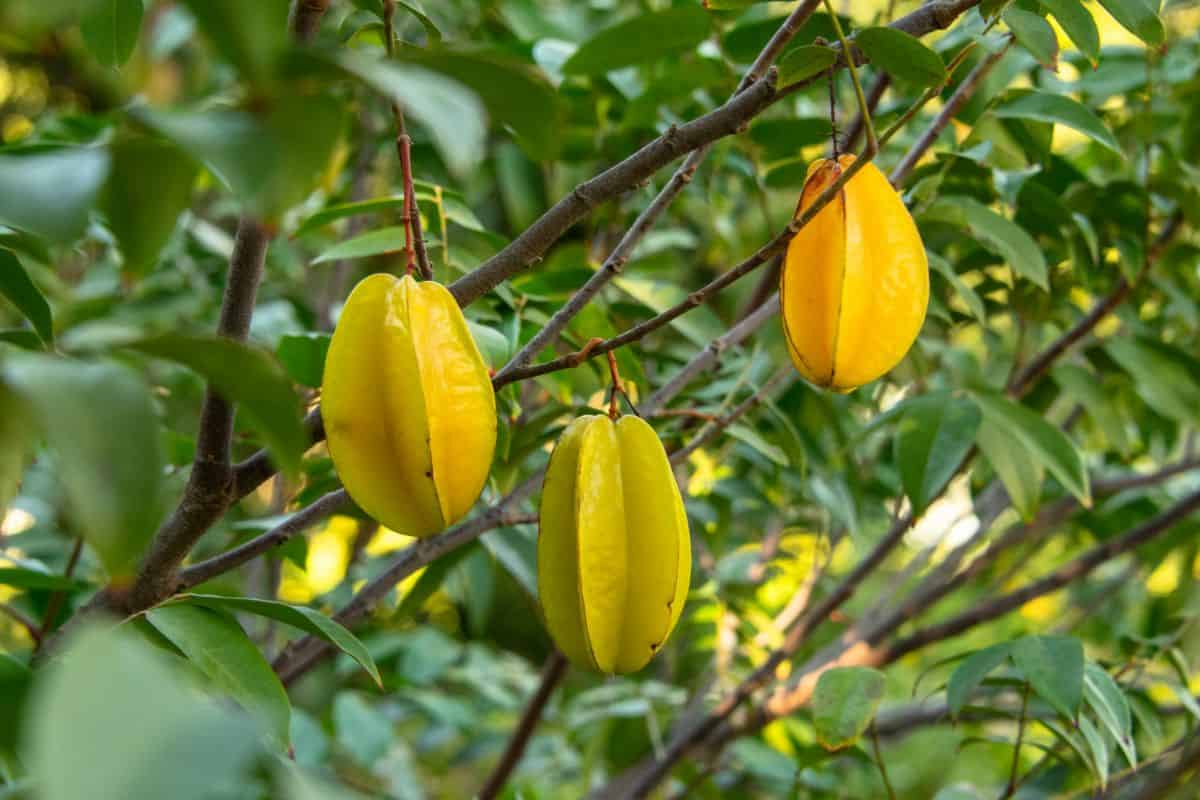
x=305, y=18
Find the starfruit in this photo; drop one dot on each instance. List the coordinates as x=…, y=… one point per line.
x=614, y=558
x=408, y=406
x=855, y=282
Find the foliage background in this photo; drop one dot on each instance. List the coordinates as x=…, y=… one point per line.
x=134, y=140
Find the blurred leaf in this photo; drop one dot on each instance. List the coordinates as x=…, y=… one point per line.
x=49, y=193
x=112, y=696
x=454, y=115
x=245, y=375
x=1087, y=389
x=1060, y=110
x=16, y=682
x=99, y=420
x=143, y=220
x=844, y=704
x=1098, y=749
x=299, y=617
x=1033, y=33
x=969, y=296
x=1007, y=239
x=364, y=732
x=760, y=445
x=20, y=291
x=25, y=578
x=516, y=95
x=804, y=62
x=1053, y=665
x=455, y=206
x=492, y=344
x=1163, y=376
x=641, y=39
x=1046, y=443
x=372, y=243
x=1018, y=469
x=218, y=646
x=110, y=30
x=1112, y=708
x=901, y=55
x=784, y=138
x=252, y=36
x=932, y=439
x=968, y=675
x=303, y=356
x=1139, y=18
x=272, y=160
x=1078, y=24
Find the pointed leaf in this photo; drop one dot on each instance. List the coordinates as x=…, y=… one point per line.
x=21, y=292
x=641, y=39
x=110, y=30
x=1034, y=34
x=804, y=62
x=1112, y=708
x=49, y=193
x=932, y=438
x=902, y=55
x=1164, y=376
x=968, y=675
x=1078, y=24
x=1139, y=18
x=1060, y=110
x=1053, y=665
x=1020, y=472
x=1005, y=238
x=844, y=703
x=372, y=243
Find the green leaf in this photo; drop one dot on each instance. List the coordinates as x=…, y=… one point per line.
x=1020, y=472
x=751, y=437
x=16, y=681
x=20, y=291
x=99, y=420
x=1087, y=389
x=110, y=30
x=251, y=36
x=701, y=326
x=220, y=649
x=493, y=345
x=1046, y=443
x=362, y=730
x=1034, y=34
x=300, y=617
x=453, y=203
x=270, y=160
x=932, y=438
x=1098, y=748
x=804, y=62
x=1139, y=18
x=516, y=95
x=1112, y=708
x=969, y=296
x=783, y=138
x=1162, y=375
x=453, y=114
x=1059, y=110
x=639, y=40
x=245, y=375
x=113, y=695
x=49, y=193
x=968, y=675
x=373, y=243
x=1053, y=666
x=901, y=55
x=142, y=220
x=1077, y=23
x=844, y=703
x=25, y=578
x=1005, y=238
x=303, y=356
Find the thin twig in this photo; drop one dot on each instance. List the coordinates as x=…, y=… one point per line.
x=25, y=621
x=1014, y=772
x=58, y=597
x=883, y=773
x=552, y=673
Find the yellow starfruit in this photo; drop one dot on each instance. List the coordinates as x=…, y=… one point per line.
x=614, y=556
x=855, y=282
x=408, y=406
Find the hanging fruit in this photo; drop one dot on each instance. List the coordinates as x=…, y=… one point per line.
x=408, y=406
x=614, y=557
x=855, y=282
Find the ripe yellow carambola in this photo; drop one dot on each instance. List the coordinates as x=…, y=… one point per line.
x=614, y=557
x=855, y=283
x=408, y=406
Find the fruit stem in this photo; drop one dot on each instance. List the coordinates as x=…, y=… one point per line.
x=848, y=53
x=613, y=413
x=403, y=146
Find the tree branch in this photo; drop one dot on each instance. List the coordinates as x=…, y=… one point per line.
x=552, y=674
x=305, y=18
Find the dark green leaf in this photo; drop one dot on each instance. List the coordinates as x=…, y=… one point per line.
x=844, y=703
x=932, y=438
x=1087, y=389
x=1034, y=34
x=1164, y=377
x=99, y=420
x=1078, y=24
x=32, y=579
x=1007, y=239
x=969, y=296
x=804, y=62
x=641, y=39
x=20, y=291
x=303, y=356
x=300, y=617
x=968, y=675
x=218, y=646
x=1139, y=18
x=49, y=193
x=1060, y=110
x=247, y=376
x=901, y=55
x=1053, y=665
x=150, y=185
x=1043, y=441
x=373, y=243
x=110, y=30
